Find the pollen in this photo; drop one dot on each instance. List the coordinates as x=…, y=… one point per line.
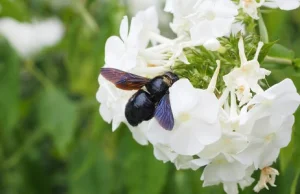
x=241, y=89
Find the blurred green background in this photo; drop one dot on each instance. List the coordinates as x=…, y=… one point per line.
x=52, y=138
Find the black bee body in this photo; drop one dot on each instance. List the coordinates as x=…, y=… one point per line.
x=158, y=87
x=140, y=107
x=144, y=105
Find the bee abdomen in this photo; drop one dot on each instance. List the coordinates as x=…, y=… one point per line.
x=139, y=108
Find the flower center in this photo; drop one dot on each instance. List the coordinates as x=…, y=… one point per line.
x=249, y=2
x=184, y=117
x=210, y=15
x=269, y=137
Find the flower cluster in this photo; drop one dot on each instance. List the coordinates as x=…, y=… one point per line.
x=233, y=123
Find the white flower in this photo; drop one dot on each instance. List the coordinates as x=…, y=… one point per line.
x=283, y=4
x=125, y=52
x=180, y=9
x=135, y=6
x=230, y=144
x=202, y=21
x=195, y=113
x=213, y=19
x=266, y=141
x=268, y=175
x=30, y=38
x=250, y=7
x=164, y=153
x=113, y=102
x=238, y=27
x=246, y=77
x=139, y=132
x=232, y=187
x=188, y=162
x=112, y=109
x=222, y=170
x=279, y=101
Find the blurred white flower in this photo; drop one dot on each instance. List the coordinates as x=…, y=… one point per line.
x=246, y=77
x=135, y=6
x=30, y=38
x=250, y=7
x=268, y=175
x=283, y=4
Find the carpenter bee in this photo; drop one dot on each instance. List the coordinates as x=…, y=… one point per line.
x=152, y=101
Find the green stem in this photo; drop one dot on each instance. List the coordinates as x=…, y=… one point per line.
x=87, y=17
x=295, y=182
x=263, y=29
x=30, y=142
x=29, y=66
x=278, y=60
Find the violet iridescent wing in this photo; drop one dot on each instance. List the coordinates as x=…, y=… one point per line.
x=163, y=113
x=124, y=80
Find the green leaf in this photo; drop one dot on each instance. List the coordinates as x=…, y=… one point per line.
x=263, y=29
x=142, y=173
x=14, y=9
x=57, y=115
x=9, y=87
x=280, y=51
x=89, y=170
x=296, y=63
x=265, y=50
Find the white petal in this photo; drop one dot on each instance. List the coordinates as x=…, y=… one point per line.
x=283, y=136
x=164, y=153
x=136, y=27
x=208, y=106
x=117, y=120
x=158, y=135
x=285, y=86
x=230, y=188
x=105, y=113
x=268, y=156
x=288, y=4
x=202, y=32
x=212, y=45
x=183, y=97
x=184, y=142
x=114, y=50
x=206, y=133
x=139, y=132
x=221, y=26
x=124, y=28
x=263, y=127
x=198, y=163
